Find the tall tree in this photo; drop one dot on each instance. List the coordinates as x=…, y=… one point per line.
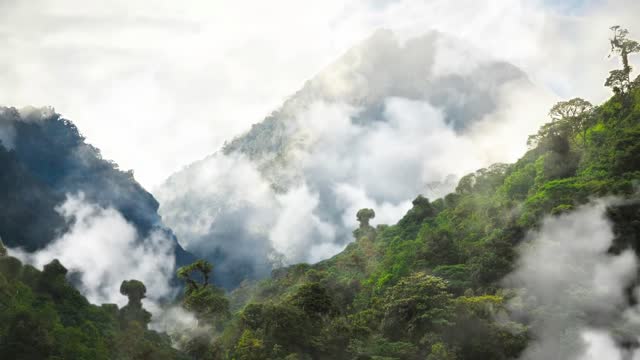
x=569, y=119
x=200, y=268
x=620, y=79
x=573, y=108
x=205, y=300
x=576, y=114
x=209, y=305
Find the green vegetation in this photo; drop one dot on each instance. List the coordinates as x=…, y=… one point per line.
x=620, y=79
x=208, y=304
x=43, y=317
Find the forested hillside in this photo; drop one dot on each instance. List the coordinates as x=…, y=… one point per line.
x=431, y=286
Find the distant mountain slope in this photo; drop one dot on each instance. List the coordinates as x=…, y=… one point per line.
x=44, y=158
x=383, y=67
x=286, y=190
x=366, y=77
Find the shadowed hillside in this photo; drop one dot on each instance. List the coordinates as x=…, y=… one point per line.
x=44, y=158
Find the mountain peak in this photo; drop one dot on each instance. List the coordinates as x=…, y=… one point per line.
x=317, y=153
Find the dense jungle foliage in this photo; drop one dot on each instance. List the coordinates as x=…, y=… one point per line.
x=42, y=316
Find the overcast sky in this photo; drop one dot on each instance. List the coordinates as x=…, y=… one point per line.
x=158, y=84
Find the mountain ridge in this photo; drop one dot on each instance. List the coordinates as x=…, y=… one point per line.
x=47, y=161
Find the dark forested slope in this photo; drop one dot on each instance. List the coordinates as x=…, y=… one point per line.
x=43, y=158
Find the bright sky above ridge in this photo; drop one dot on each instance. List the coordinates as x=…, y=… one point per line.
x=157, y=85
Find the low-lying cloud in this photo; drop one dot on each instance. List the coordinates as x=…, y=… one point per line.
x=301, y=206
x=389, y=120
x=101, y=249
x=574, y=292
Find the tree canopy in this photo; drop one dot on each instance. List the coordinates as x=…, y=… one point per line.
x=364, y=216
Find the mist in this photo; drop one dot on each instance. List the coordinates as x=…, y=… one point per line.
x=574, y=291
x=101, y=249
x=354, y=136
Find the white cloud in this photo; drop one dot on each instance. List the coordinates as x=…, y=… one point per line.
x=600, y=345
x=224, y=204
x=297, y=229
x=230, y=181
x=104, y=249
x=335, y=167
x=573, y=289
x=413, y=151
x=352, y=199
x=393, y=128
x=181, y=325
